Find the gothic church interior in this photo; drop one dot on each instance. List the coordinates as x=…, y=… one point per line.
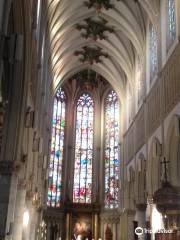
x=89, y=119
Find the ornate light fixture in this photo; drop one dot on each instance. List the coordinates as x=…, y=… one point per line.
x=95, y=29
x=91, y=54
x=167, y=198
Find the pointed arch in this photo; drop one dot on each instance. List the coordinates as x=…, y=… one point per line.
x=57, y=150
x=173, y=150
x=111, y=151
x=84, y=130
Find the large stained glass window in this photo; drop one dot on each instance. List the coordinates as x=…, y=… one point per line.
x=56, y=152
x=82, y=189
x=171, y=22
x=140, y=80
x=153, y=51
x=111, y=150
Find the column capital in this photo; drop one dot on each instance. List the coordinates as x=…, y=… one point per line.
x=150, y=200
x=22, y=184
x=110, y=217
x=9, y=167
x=129, y=211
x=141, y=206
x=6, y=167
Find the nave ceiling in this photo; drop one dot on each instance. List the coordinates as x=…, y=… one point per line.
x=124, y=37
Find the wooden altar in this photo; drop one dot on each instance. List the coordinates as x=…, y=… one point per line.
x=167, y=236
x=82, y=220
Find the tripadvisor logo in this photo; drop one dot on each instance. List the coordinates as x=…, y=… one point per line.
x=139, y=231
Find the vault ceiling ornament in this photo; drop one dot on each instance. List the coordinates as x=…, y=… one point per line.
x=86, y=75
x=91, y=54
x=89, y=79
x=99, y=4
x=95, y=29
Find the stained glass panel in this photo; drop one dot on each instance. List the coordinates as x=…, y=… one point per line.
x=82, y=189
x=153, y=51
x=56, y=152
x=111, y=154
x=171, y=22
x=140, y=80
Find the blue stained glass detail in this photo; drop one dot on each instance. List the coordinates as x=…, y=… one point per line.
x=82, y=189
x=56, y=152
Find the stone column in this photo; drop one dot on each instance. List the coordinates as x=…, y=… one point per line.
x=48, y=230
x=105, y=226
x=114, y=231
x=67, y=226
x=141, y=218
x=130, y=225
x=102, y=229
x=18, y=215
x=96, y=227
x=1, y=13
x=34, y=223
x=8, y=186
x=111, y=220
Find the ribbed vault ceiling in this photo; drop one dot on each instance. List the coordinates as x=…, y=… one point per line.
x=128, y=20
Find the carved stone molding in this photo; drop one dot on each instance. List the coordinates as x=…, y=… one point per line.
x=88, y=80
x=29, y=195
x=129, y=211
x=160, y=101
x=141, y=206
x=53, y=215
x=22, y=184
x=96, y=29
x=110, y=217
x=79, y=207
x=99, y=4
x=149, y=200
x=91, y=54
x=7, y=167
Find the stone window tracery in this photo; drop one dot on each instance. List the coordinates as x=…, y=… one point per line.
x=111, y=154
x=153, y=51
x=82, y=189
x=57, y=150
x=171, y=34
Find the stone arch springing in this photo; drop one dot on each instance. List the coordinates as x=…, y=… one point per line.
x=131, y=186
x=173, y=150
x=140, y=180
x=154, y=166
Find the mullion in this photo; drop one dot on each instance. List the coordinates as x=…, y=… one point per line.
x=80, y=152
x=111, y=149
x=114, y=144
x=91, y=150
x=111, y=107
x=54, y=150
x=84, y=120
x=60, y=115
x=86, y=157
x=109, y=161
x=87, y=154
x=59, y=103
x=116, y=108
x=108, y=148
